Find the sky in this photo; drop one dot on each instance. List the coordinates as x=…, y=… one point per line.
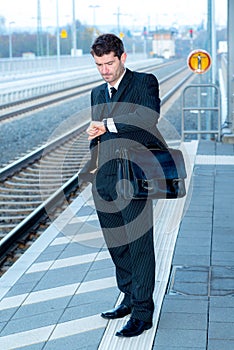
x=165, y=13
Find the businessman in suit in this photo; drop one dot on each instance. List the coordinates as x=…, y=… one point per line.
x=126, y=118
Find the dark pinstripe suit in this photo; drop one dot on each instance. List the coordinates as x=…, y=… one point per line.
x=127, y=226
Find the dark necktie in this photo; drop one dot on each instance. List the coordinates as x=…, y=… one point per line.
x=113, y=92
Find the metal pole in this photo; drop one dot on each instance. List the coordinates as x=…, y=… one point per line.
x=230, y=71
x=118, y=19
x=47, y=44
x=212, y=49
x=10, y=40
x=39, y=30
x=213, y=44
x=58, y=36
x=94, y=7
x=74, y=29
x=199, y=106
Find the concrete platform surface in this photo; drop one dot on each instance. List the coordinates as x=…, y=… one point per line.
x=52, y=297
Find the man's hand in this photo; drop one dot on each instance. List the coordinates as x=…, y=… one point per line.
x=95, y=129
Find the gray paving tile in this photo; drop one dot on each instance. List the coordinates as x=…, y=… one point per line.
x=54, y=249
x=20, y=288
x=102, y=264
x=195, y=232
x=189, y=249
x=32, y=278
x=86, y=340
x=86, y=210
x=48, y=256
x=6, y=315
x=191, y=274
x=177, y=320
x=72, y=229
x=206, y=147
x=190, y=280
x=77, y=249
x=214, y=344
x=221, y=330
x=224, y=149
x=101, y=273
x=223, y=226
x=223, y=221
x=62, y=276
x=191, y=260
x=223, y=233
x=220, y=245
x=194, y=220
x=185, y=305
x=226, y=260
x=108, y=295
x=83, y=310
x=222, y=280
x=227, y=301
x=42, y=307
x=222, y=314
x=31, y=322
x=194, y=241
x=2, y=325
x=190, y=288
x=180, y=337
x=199, y=212
x=196, y=226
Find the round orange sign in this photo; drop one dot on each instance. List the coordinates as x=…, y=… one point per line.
x=199, y=61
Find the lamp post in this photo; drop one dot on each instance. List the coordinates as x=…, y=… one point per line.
x=57, y=36
x=94, y=7
x=48, y=40
x=10, y=40
x=118, y=14
x=74, y=47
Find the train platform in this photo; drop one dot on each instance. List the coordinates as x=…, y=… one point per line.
x=52, y=297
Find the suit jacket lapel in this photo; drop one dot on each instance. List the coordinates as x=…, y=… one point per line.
x=102, y=96
x=99, y=109
x=118, y=97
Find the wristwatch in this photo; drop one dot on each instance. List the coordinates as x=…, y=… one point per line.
x=105, y=123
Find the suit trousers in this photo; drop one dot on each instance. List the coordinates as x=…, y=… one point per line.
x=128, y=232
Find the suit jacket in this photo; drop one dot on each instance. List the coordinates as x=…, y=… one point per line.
x=135, y=111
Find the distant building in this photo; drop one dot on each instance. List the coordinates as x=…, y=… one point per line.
x=163, y=45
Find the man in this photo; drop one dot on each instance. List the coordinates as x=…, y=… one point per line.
x=125, y=119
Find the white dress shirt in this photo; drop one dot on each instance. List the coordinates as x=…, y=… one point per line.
x=110, y=122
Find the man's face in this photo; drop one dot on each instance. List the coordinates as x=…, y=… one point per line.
x=110, y=67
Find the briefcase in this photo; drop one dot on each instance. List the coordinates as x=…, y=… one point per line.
x=151, y=173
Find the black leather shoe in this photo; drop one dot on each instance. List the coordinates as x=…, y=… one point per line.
x=118, y=312
x=133, y=328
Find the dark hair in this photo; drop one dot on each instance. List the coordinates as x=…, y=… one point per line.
x=106, y=43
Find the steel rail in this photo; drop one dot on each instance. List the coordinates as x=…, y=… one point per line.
x=71, y=87
x=54, y=97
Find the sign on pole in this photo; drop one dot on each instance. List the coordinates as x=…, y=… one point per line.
x=63, y=34
x=199, y=61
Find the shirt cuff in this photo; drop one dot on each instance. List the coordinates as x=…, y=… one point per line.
x=111, y=125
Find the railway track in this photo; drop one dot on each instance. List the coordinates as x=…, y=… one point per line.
x=36, y=188
x=20, y=107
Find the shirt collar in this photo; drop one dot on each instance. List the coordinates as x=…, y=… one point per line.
x=116, y=84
